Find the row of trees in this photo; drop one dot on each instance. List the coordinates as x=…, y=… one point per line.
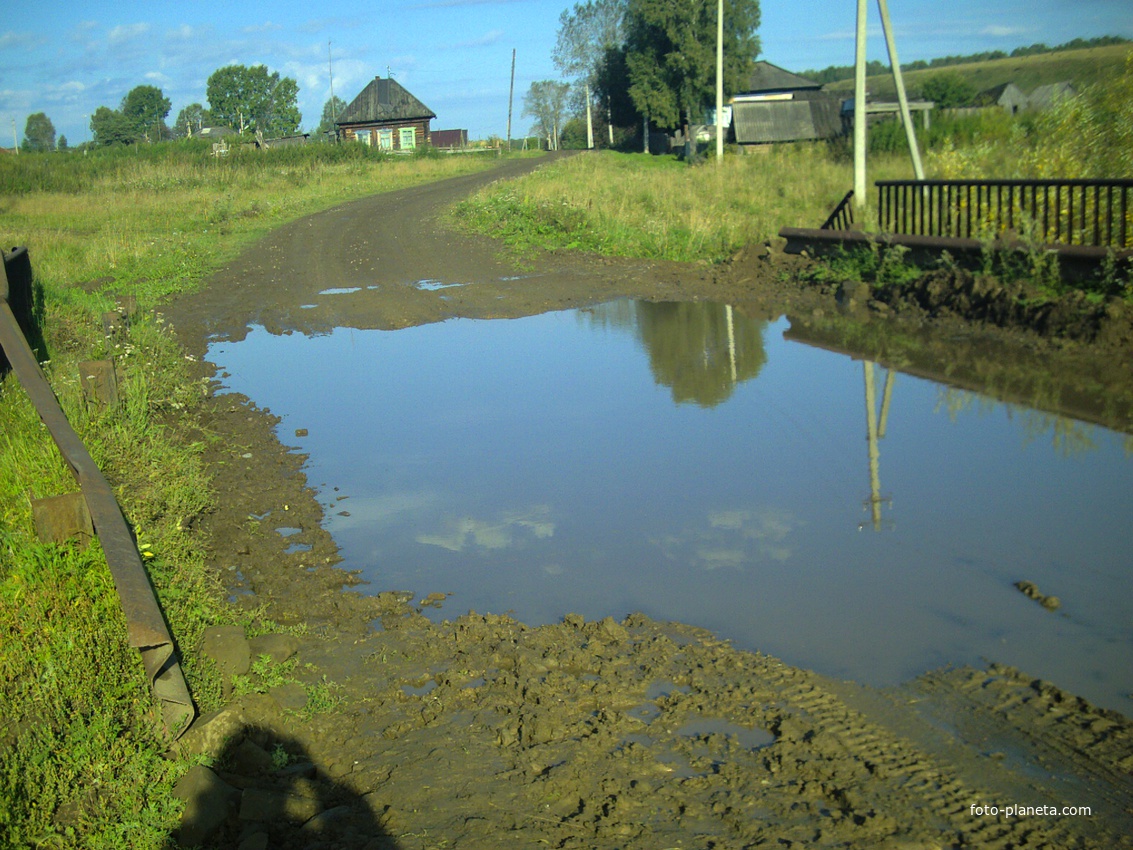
x=643, y=62
x=245, y=99
x=835, y=73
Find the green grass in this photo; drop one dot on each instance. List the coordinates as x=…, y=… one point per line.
x=636, y=205
x=82, y=762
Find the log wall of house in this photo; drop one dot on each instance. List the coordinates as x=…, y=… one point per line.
x=421, y=131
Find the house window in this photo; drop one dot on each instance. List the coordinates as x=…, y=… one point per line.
x=385, y=140
x=407, y=138
x=364, y=137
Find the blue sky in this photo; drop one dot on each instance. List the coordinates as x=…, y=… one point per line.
x=455, y=55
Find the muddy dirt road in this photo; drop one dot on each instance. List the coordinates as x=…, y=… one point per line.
x=376, y=728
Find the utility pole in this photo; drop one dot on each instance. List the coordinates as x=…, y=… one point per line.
x=330, y=72
x=860, y=111
x=859, y=108
x=720, y=84
x=510, y=98
x=899, y=82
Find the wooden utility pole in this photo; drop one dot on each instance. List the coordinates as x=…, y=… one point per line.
x=861, y=113
x=719, y=81
x=510, y=98
x=899, y=82
x=859, y=108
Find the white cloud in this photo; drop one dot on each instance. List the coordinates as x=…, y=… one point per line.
x=266, y=26
x=129, y=32
x=1002, y=31
x=10, y=40
x=485, y=40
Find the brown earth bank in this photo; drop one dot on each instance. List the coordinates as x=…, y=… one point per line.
x=375, y=727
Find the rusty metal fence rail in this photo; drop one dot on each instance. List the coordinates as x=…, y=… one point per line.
x=146, y=626
x=1090, y=213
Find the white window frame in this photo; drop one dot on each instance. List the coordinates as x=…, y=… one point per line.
x=364, y=137
x=385, y=140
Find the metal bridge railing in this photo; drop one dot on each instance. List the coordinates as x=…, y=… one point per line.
x=1094, y=213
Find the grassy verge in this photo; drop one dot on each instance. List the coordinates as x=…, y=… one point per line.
x=81, y=762
x=637, y=205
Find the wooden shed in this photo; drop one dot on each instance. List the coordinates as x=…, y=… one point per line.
x=1007, y=96
x=1049, y=96
x=778, y=106
x=386, y=116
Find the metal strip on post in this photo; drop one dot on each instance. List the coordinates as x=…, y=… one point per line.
x=146, y=627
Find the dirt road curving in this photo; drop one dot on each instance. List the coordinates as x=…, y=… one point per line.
x=481, y=732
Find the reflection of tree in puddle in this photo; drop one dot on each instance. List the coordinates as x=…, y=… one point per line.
x=700, y=350
x=1068, y=436
x=734, y=538
x=511, y=529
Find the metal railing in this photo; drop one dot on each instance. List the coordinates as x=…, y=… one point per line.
x=1093, y=213
x=843, y=216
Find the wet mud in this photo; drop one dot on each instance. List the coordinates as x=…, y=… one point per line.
x=480, y=731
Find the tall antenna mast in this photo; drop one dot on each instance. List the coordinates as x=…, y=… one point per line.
x=330, y=68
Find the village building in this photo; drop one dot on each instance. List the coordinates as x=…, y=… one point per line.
x=1049, y=96
x=450, y=139
x=386, y=116
x=778, y=106
x=1007, y=96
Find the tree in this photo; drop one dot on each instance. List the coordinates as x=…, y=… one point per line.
x=145, y=108
x=671, y=54
x=331, y=110
x=251, y=98
x=62, y=144
x=190, y=120
x=39, y=133
x=948, y=90
x=545, y=101
x=111, y=127
x=583, y=40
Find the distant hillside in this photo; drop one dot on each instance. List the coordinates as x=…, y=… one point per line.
x=1079, y=67
x=835, y=73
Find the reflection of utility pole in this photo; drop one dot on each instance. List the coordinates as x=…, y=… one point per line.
x=875, y=431
x=731, y=340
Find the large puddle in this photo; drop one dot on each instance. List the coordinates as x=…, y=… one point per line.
x=691, y=463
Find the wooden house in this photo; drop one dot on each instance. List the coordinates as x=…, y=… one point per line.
x=778, y=106
x=386, y=116
x=1049, y=96
x=1007, y=96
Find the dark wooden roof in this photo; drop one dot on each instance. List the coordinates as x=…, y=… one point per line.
x=766, y=77
x=384, y=100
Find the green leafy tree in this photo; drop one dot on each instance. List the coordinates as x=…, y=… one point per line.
x=145, y=108
x=671, y=54
x=331, y=110
x=545, y=101
x=39, y=133
x=62, y=145
x=190, y=120
x=580, y=48
x=111, y=127
x=253, y=99
x=948, y=90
